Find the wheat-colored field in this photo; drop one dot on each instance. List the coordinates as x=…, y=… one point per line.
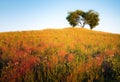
x=59, y=55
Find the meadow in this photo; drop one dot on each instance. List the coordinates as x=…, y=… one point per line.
x=59, y=55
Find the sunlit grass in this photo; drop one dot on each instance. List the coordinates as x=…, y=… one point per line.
x=58, y=55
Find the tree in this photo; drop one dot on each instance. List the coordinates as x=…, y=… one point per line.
x=92, y=18
x=82, y=18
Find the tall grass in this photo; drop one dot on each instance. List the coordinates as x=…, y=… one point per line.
x=62, y=55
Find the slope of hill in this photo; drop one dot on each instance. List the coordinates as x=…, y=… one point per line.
x=59, y=55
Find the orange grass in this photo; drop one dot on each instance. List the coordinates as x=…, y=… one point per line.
x=58, y=55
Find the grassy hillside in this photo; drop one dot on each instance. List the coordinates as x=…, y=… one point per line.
x=59, y=55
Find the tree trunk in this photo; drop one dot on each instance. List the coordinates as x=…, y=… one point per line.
x=80, y=23
x=83, y=24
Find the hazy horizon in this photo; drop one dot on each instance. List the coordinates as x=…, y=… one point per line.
x=42, y=14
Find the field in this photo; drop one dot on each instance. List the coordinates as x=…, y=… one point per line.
x=59, y=55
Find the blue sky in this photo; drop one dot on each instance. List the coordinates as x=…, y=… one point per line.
x=17, y=15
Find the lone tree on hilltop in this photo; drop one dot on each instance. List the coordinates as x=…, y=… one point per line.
x=82, y=18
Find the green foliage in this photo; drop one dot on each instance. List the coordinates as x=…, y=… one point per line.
x=92, y=18
x=80, y=17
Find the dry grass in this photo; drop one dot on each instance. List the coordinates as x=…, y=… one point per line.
x=58, y=55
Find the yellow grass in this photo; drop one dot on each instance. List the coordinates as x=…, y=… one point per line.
x=57, y=55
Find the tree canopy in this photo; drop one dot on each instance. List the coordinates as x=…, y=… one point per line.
x=82, y=18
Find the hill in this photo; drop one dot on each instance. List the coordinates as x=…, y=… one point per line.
x=59, y=55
